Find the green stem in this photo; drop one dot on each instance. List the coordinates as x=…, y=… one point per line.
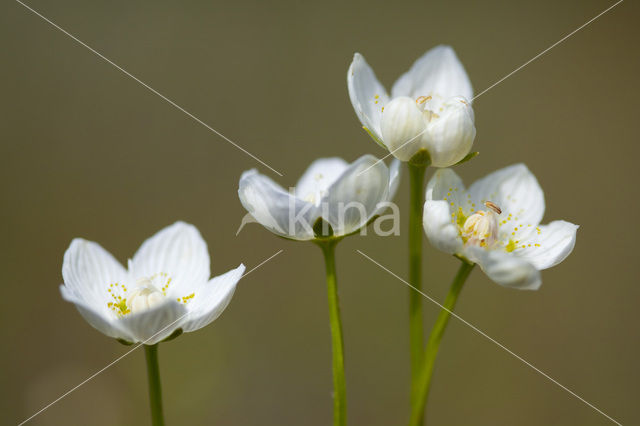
x=431, y=351
x=339, y=386
x=155, y=393
x=416, y=333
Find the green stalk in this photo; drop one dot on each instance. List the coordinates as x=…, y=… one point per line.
x=339, y=386
x=155, y=393
x=416, y=332
x=424, y=380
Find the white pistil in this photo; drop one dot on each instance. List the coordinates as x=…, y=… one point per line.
x=144, y=297
x=481, y=228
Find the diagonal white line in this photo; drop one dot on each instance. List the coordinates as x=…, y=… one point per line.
x=546, y=50
x=262, y=263
x=145, y=85
x=96, y=373
x=500, y=345
x=503, y=78
x=126, y=353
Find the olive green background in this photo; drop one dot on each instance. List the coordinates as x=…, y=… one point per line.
x=86, y=151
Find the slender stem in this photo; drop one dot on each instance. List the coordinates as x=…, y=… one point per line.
x=155, y=393
x=416, y=333
x=339, y=386
x=424, y=381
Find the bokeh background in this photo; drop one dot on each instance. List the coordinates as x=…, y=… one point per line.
x=86, y=151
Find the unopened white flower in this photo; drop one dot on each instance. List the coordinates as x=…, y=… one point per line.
x=346, y=196
x=165, y=289
x=429, y=108
x=496, y=224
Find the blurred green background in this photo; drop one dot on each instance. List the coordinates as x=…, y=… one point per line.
x=86, y=151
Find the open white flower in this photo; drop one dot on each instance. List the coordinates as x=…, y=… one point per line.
x=346, y=196
x=496, y=224
x=429, y=108
x=166, y=288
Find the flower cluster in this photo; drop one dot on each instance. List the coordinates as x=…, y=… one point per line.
x=495, y=224
x=428, y=120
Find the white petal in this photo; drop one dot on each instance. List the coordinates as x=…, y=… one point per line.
x=550, y=245
x=438, y=73
x=394, y=182
x=154, y=324
x=394, y=178
x=95, y=317
x=178, y=251
x=88, y=269
x=403, y=125
x=506, y=269
x=352, y=199
x=446, y=185
x=516, y=191
x=443, y=182
x=367, y=95
x=211, y=299
x=450, y=136
x=276, y=209
x=445, y=209
x=318, y=177
x=440, y=228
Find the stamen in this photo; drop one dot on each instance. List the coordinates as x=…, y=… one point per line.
x=423, y=99
x=493, y=206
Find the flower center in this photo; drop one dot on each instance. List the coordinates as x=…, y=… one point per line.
x=149, y=292
x=319, y=190
x=429, y=115
x=481, y=228
x=144, y=297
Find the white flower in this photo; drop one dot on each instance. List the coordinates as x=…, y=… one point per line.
x=496, y=224
x=166, y=287
x=430, y=107
x=345, y=195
